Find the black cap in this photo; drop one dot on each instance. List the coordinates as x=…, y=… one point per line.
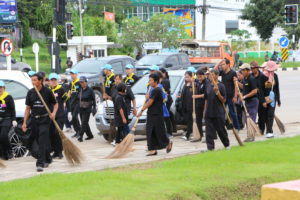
x=83, y=79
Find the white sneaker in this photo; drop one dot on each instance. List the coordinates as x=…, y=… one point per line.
x=228, y=148
x=113, y=143
x=184, y=137
x=269, y=135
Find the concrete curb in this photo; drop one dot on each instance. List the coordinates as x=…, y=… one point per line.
x=289, y=69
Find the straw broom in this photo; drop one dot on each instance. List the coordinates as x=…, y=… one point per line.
x=280, y=124
x=72, y=152
x=112, y=128
x=252, y=128
x=2, y=165
x=196, y=133
x=237, y=137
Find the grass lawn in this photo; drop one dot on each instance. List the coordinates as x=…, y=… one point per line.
x=262, y=60
x=235, y=174
x=44, y=58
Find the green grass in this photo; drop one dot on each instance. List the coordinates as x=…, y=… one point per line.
x=235, y=174
x=44, y=57
x=262, y=60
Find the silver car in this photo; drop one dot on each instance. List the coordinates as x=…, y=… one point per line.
x=106, y=109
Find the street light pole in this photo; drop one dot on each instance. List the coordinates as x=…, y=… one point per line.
x=81, y=28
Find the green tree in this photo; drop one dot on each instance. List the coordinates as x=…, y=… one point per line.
x=160, y=28
x=240, y=37
x=264, y=15
x=26, y=35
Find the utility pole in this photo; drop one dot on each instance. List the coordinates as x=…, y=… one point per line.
x=56, y=10
x=81, y=28
x=203, y=10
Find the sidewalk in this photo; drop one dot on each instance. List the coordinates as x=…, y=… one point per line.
x=95, y=151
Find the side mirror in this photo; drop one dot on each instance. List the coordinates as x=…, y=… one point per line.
x=169, y=65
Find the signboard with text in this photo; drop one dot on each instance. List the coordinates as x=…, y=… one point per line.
x=8, y=11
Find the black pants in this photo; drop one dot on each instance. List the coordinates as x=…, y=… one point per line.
x=239, y=112
x=168, y=125
x=4, y=141
x=121, y=134
x=41, y=128
x=85, y=127
x=213, y=125
x=156, y=133
x=188, y=117
x=75, y=121
x=266, y=118
x=199, y=119
x=55, y=139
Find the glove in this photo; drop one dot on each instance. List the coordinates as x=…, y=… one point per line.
x=94, y=111
x=69, y=116
x=15, y=123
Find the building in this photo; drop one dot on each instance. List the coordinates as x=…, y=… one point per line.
x=223, y=17
x=96, y=44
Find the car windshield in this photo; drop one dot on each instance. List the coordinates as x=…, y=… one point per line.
x=15, y=89
x=140, y=88
x=152, y=60
x=90, y=66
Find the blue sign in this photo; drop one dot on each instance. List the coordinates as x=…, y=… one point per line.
x=8, y=11
x=284, y=42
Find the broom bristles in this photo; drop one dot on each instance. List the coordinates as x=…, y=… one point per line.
x=280, y=125
x=122, y=149
x=196, y=133
x=2, y=165
x=72, y=153
x=252, y=128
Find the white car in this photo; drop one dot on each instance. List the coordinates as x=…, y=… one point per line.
x=106, y=112
x=17, y=84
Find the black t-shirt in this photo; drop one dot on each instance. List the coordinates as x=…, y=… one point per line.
x=36, y=105
x=186, y=97
x=214, y=107
x=129, y=96
x=200, y=89
x=156, y=108
x=166, y=85
x=119, y=104
x=249, y=85
x=260, y=83
x=61, y=96
x=109, y=83
x=87, y=95
x=7, y=108
x=130, y=81
x=227, y=80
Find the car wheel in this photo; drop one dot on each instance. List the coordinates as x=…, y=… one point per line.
x=106, y=137
x=18, y=149
x=98, y=97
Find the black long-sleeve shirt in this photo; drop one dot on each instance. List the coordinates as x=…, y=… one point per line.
x=87, y=95
x=260, y=82
x=7, y=108
x=61, y=97
x=187, y=100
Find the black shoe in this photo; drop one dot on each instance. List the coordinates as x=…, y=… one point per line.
x=152, y=154
x=80, y=139
x=57, y=156
x=76, y=135
x=39, y=169
x=169, y=147
x=46, y=165
x=89, y=138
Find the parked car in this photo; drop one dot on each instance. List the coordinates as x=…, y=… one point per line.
x=17, y=84
x=92, y=69
x=106, y=113
x=20, y=66
x=170, y=61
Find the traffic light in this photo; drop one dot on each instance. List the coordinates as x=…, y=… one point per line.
x=291, y=14
x=69, y=30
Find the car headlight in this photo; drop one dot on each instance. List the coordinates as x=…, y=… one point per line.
x=100, y=109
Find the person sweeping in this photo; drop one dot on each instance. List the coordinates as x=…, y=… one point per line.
x=155, y=128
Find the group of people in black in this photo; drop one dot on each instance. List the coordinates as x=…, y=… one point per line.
x=68, y=102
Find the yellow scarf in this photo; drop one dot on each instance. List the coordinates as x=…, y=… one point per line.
x=107, y=81
x=129, y=78
x=56, y=88
x=73, y=83
x=3, y=96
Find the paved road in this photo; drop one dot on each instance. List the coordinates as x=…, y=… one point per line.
x=96, y=150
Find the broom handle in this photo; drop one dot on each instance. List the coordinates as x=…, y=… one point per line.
x=194, y=106
x=49, y=112
x=241, y=97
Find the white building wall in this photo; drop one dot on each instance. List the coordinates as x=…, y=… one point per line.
x=220, y=11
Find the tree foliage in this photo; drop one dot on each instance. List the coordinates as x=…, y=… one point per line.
x=264, y=15
x=160, y=28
